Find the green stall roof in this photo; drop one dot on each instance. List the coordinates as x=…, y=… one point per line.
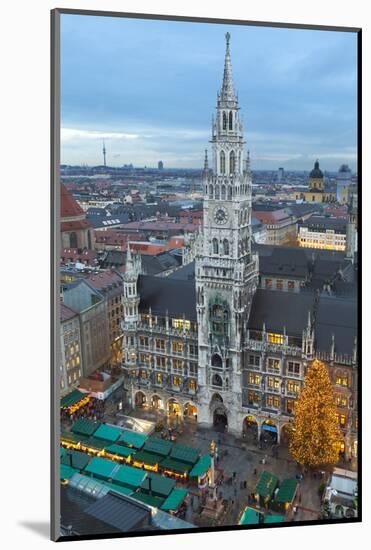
x=158, y=446
x=185, y=454
x=274, y=519
x=72, y=398
x=201, y=467
x=73, y=438
x=132, y=439
x=250, y=516
x=266, y=484
x=174, y=500
x=152, y=500
x=66, y=471
x=147, y=458
x=160, y=486
x=108, y=433
x=287, y=490
x=96, y=443
x=101, y=468
x=129, y=477
x=84, y=426
x=75, y=459
x=119, y=450
x=175, y=465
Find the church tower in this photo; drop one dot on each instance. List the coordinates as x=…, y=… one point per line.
x=226, y=270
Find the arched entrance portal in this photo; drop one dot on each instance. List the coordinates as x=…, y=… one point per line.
x=173, y=408
x=140, y=399
x=220, y=419
x=250, y=428
x=156, y=402
x=269, y=432
x=190, y=411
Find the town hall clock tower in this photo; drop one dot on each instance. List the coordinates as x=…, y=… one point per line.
x=226, y=270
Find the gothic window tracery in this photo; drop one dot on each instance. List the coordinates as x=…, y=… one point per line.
x=232, y=162
x=215, y=246
x=226, y=247
x=224, y=121
x=230, y=120
x=222, y=162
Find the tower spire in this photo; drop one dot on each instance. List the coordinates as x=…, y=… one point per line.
x=227, y=91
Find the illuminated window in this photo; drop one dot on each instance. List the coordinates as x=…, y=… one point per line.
x=192, y=385
x=177, y=346
x=145, y=358
x=341, y=401
x=181, y=324
x=253, y=398
x=274, y=338
x=254, y=379
x=176, y=381
x=293, y=386
x=342, y=380
x=290, y=405
x=279, y=284
x=273, y=401
x=291, y=286
x=273, y=383
x=342, y=419
x=158, y=378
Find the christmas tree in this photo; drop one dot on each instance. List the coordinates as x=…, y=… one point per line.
x=315, y=435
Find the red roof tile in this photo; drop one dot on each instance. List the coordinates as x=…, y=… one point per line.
x=69, y=206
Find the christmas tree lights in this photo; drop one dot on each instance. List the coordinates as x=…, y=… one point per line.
x=315, y=435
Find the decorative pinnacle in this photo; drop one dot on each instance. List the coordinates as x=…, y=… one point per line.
x=206, y=162
x=227, y=38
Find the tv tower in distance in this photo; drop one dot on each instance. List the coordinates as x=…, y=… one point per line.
x=104, y=154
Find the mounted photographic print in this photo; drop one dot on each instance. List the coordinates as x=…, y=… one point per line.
x=206, y=237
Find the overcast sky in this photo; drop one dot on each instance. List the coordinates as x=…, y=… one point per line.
x=149, y=89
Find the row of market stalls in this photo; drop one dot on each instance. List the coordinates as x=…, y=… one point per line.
x=139, y=450
x=272, y=495
x=144, y=467
x=74, y=401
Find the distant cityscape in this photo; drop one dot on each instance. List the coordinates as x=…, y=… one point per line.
x=196, y=305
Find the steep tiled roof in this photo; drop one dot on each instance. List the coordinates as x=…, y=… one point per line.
x=69, y=206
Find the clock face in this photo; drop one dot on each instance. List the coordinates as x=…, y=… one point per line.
x=220, y=215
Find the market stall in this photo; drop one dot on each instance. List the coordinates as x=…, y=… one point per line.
x=250, y=516
x=265, y=488
x=174, y=500
x=74, y=400
x=286, y=494
x=200, y=471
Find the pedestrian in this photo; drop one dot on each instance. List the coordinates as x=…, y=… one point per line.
x=255, y=471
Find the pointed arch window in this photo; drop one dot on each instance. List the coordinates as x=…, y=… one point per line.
x=226, y=247
x=232, y=162
x=223, y=196
x=222, y=162
x=230, y=193
x=215, y=246
x=230, y=120
x=224, y=121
